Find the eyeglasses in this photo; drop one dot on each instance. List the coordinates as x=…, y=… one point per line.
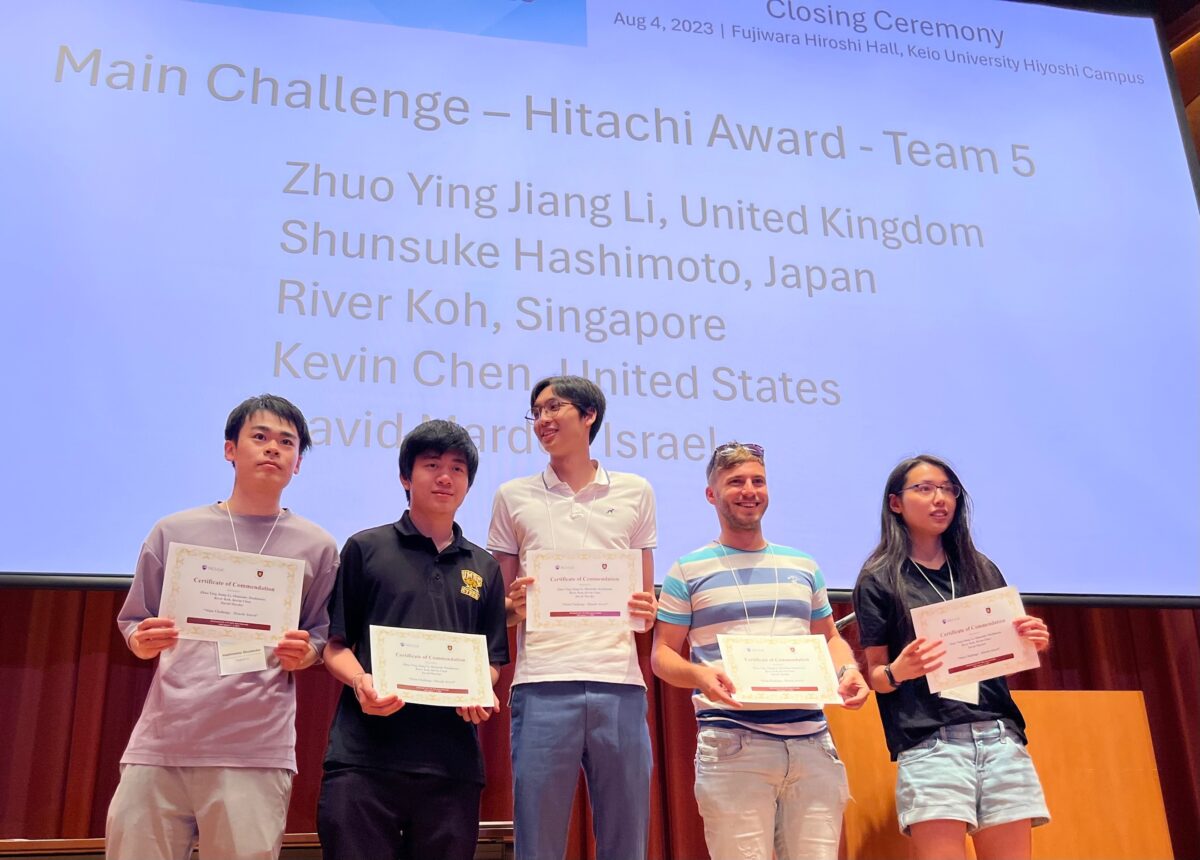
x=548, y=409
x=756, y=450
x=926, y=490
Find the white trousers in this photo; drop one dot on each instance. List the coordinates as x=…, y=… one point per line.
x=759, y=794
x=238, y=813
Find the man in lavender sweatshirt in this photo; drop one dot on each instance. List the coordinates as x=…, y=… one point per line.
x=213, y=752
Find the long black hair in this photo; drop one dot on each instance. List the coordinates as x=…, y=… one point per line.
x=890, y=557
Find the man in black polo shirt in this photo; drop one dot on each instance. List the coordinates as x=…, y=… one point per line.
x=404, y=780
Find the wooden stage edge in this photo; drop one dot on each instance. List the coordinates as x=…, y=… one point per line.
x=495, y=843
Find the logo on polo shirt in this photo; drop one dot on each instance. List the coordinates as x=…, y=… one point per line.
x=472, y=582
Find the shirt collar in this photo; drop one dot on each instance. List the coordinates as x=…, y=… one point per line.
x=552, y=482
x=409, y=532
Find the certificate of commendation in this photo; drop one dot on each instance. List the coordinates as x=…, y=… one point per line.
x=583, y=587
x=981, y=642
x=222, y=595
x=779, y=670
x=431, y=667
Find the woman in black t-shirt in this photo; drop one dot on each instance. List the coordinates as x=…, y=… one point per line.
x=962, y=763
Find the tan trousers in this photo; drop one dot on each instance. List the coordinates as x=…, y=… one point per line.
x=238, y=813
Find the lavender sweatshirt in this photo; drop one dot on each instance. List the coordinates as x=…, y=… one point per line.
x=193, y=716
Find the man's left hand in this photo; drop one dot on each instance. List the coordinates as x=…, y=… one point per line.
x=477, y=714
x=295, y=651
x=643, y=605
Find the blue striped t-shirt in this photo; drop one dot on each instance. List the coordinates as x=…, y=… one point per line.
x=773, y=591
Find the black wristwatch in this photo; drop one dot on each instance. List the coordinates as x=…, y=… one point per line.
x=887, y=670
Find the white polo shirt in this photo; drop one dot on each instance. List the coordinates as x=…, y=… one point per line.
x=614, y=511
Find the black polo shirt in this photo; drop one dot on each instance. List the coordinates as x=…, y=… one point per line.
x=394, y=576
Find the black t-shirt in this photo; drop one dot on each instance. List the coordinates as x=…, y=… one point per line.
x=394, y=576
x=912, y=713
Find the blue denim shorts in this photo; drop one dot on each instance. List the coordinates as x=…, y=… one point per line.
x=979, y=773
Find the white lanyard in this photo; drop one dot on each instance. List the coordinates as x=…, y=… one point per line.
x=587, y=525
x=968, y=693
x=921, y=571
x=741, y=596
x=236, y=547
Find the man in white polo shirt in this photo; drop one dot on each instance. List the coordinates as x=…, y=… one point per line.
x=578, y=696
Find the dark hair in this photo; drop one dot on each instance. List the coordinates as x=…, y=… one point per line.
x=437, y=437
x=889, y=557
x=585, y=394
x=280, y=407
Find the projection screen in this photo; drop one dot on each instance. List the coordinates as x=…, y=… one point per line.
x=849, y=232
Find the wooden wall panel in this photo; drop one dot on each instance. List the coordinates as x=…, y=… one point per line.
x=74, y=693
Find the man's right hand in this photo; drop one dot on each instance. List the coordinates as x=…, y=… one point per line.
x=152, y=636
x=517, y=594
x=716, y=686
x=370, y=701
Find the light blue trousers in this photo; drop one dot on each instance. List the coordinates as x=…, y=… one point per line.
x=558, y=726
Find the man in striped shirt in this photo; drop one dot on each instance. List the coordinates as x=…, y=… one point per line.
x=768, y=778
